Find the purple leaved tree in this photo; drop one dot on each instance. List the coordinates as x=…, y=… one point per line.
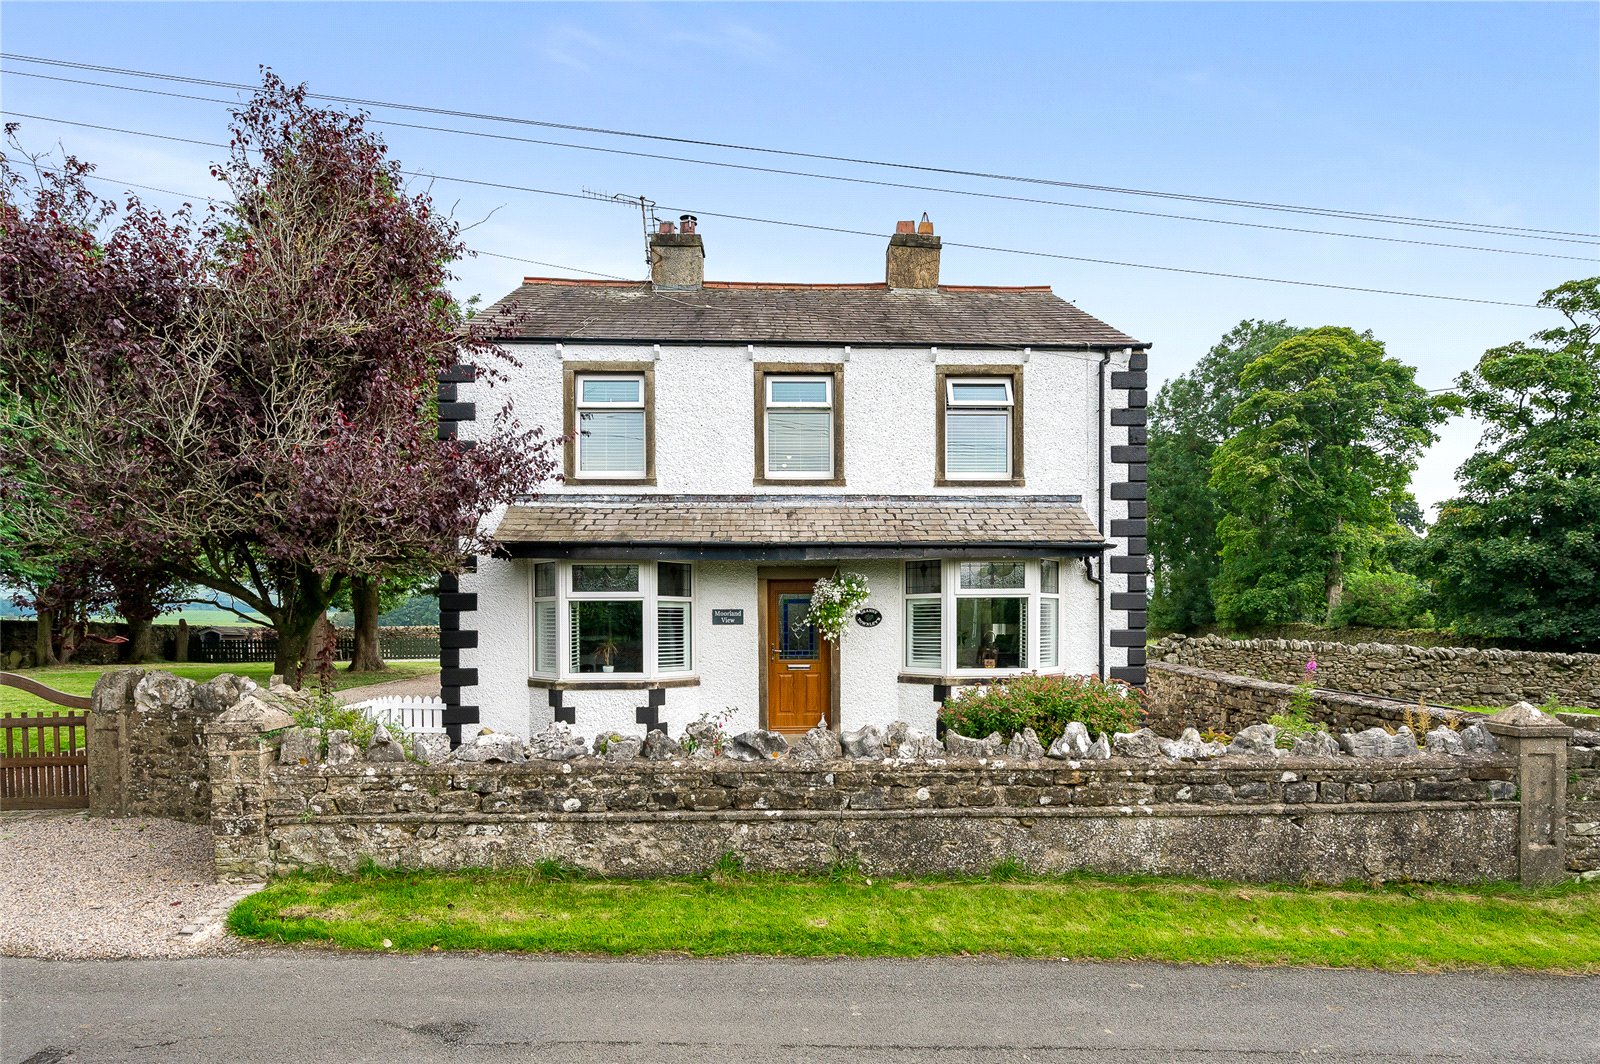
x=247, y=399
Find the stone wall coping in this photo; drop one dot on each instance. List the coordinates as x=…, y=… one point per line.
x=1396, y=650
x=1524, y=721
x=1323, y=695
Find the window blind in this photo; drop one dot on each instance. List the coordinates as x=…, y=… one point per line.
x=612, y=441
x=924, y=633
x=672, y=636
x=574, y=637
x=1048, y=639
x=977, y=443
x=800, y=441
x=544, y=636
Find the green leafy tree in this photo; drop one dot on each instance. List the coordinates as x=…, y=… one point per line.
x=1319, y=463
x=1517, y=554
x=1188, y=422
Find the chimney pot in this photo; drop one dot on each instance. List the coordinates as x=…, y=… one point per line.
x=677, y=259
x=913, y=257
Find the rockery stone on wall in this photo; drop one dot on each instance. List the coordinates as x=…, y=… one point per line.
x=1452, y=676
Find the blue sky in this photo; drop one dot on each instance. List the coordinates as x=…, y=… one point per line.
x=1482, y=112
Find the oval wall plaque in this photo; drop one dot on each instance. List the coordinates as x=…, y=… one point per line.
x=868, y=618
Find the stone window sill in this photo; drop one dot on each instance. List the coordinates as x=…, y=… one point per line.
x=971, y=679
x=546, y=684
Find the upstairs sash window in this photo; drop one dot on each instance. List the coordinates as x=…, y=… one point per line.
x=611, y=426
x=799, y=427
x=977, y=428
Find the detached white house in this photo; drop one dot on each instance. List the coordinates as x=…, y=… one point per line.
x=976, y=452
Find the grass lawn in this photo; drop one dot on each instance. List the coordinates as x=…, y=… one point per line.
x=80, y=679
x=1405, y=928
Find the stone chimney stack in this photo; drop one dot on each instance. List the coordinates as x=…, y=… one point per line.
x=913, y=260
x=677, y=256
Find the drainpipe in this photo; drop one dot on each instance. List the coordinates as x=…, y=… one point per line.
x=1100, y=513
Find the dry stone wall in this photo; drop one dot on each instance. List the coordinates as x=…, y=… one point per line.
x=147, y=752
x=1183, y=696
x=1583, y=802
x=1451, y=676
x=1273, y=818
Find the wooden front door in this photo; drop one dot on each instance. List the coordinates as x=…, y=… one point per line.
x=799, y=661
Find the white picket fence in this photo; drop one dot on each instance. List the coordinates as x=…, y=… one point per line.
x=415, y=716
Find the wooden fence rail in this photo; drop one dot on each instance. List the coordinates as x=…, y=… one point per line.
x=44, y=760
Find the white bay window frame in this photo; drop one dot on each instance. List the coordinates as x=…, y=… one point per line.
x=559, y=606
x=1034, y=655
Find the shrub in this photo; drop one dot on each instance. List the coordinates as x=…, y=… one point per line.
x=327, y=714
x=1386, y=599
x=1047, y=704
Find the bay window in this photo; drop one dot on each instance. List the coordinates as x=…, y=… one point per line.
x=982, y=616
x=623, y=620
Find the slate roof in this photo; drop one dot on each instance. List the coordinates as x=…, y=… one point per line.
x=813, y=526
x=555, y=310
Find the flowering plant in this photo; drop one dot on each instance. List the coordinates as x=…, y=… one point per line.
x=1295, y=720
x=834, y=601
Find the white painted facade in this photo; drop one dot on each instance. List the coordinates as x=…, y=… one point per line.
x=705, y=443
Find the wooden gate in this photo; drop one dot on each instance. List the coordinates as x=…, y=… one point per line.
x=44, y=760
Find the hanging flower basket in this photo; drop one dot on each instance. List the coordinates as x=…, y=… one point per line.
x=834, y=601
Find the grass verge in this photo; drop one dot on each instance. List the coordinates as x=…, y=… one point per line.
x=80, y=679
x=1401, y=928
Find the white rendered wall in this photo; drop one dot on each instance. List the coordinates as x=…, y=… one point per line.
x=704, y=444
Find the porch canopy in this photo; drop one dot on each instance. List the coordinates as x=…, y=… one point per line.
x=797, y=527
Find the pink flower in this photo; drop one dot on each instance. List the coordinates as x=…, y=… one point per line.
x=1311, y=666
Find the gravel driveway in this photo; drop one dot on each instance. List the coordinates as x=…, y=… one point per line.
x=75, y=887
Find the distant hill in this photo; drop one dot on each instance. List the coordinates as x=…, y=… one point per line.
x=416, y=611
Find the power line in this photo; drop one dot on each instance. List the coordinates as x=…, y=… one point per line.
x=520, y=258
x=816, y=227
x=1368, y=216
x=813, y=175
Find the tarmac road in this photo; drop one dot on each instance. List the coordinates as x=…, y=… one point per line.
x=273, y=1006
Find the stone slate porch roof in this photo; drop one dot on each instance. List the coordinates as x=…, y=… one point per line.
x=557, y=309
x=797, y=527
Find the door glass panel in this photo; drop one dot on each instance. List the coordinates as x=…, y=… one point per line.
x=797, y=637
